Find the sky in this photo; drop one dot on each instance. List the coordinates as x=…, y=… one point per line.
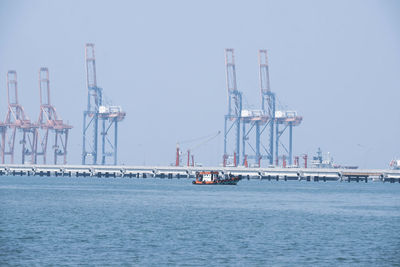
x=337, y=63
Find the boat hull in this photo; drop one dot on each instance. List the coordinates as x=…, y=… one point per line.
x=218, y=182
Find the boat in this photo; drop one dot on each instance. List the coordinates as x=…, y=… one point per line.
x=320, y=162
x=214, y=177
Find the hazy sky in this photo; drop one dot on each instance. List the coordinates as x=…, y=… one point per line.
x=336, y=62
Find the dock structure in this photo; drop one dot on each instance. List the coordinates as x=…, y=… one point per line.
x=284, y=174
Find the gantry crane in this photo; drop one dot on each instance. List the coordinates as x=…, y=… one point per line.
x=17, y=121
x=90, y=115
x=260, y=128
x=49, y=121
x=109, y=117
x=258, y=121
x=267, y=103
x=232, y=119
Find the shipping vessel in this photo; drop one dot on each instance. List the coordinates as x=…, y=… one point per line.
x=327, y=163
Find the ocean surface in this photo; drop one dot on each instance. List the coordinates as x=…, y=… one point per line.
x=158, y=222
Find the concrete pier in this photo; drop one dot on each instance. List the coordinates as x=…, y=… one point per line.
x=285, y=174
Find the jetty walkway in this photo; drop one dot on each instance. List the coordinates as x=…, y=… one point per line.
x=306, y=174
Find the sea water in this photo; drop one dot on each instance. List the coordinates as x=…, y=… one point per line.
x=157, y=222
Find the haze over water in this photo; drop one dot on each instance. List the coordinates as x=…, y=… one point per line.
x=122, y=221
x=335, y=62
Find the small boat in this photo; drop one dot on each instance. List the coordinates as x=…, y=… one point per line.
x=214, y=177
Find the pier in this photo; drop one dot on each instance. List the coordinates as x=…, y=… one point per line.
x=276, y=174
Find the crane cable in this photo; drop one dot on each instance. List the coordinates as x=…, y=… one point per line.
x=199, y=138
x=206, y=141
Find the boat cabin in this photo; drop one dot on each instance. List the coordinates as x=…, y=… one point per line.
x=214, y=177
x=207, y=176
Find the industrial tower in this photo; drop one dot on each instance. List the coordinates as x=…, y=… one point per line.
x=50, y=122
x=109, y=117
x=17, y=121
x=232, y=119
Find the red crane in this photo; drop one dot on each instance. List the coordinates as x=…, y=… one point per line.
x=17, y=121
x=50, y=122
